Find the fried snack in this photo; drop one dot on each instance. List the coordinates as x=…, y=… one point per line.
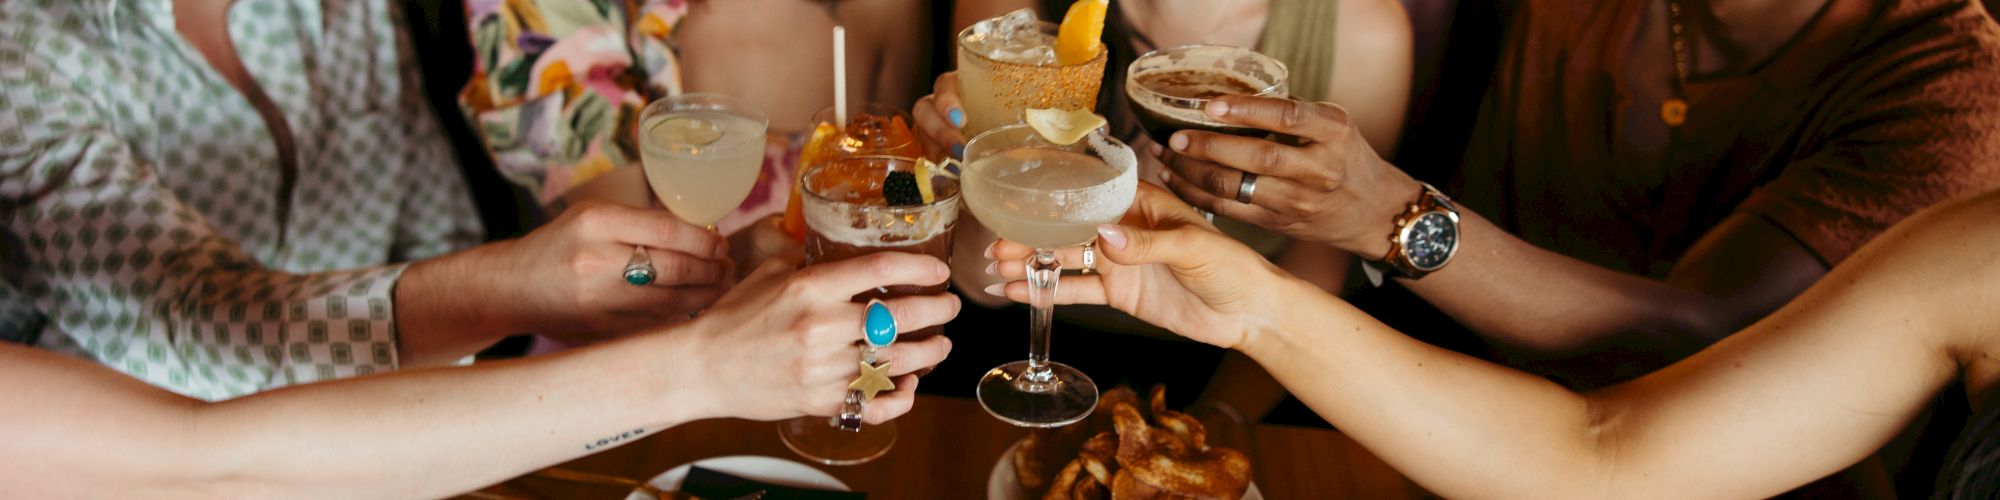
x=1160, y=464
x=1089, y=476
x=1044, y=453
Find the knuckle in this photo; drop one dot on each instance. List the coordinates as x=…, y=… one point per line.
x=1272, y=156
x=1293, y=114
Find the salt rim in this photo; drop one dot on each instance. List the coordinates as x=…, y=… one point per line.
x=1108, y=201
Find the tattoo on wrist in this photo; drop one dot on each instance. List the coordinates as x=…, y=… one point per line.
x=606, y=442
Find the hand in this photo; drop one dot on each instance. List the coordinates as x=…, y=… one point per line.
x=1332, y=189
x=1165, y=265
x=785, y=344
x=939, y=119
x=751, y=246
x=571, y=271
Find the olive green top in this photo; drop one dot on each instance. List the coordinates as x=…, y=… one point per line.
x=1300, y=33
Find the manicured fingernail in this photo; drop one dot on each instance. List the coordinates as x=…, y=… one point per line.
x=1113, y=236
x=997, y=290
x=1166, y=176
x=989, y=249
x=993, y=268
x=1218, y=109
x=957, y=117
x=958, y=151
x=1156, y=149
x=1178, y=141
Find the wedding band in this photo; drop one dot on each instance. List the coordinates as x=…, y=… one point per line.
x=1089, y=257
x=1246, y=188
x=639, y=270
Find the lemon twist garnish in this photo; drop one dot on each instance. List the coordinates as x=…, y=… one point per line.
x=1064, y=127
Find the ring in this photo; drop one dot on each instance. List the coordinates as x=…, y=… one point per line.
x=878, y=329
x=639, y=270
x=1089, y=257
x=1246, y=188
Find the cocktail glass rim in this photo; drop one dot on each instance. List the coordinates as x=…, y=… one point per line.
x=1283, y=76
x=806, y=188
x=699, y=101
x=1046, y=27
x=1035, y=140
x=825, y=115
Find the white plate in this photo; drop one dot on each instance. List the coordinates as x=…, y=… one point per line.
x=771, y=470
x=1000, y=485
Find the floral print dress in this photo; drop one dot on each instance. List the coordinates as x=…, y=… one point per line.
x=558, y=86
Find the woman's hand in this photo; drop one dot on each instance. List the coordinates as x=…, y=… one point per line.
x=1165, y=265
x=1332, y=188
x=785, y=344
x=939, y=117
x=570, y=272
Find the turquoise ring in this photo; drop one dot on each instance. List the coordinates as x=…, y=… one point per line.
x=879, y=327
x=639, y=270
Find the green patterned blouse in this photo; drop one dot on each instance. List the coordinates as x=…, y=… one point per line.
x=150, y=224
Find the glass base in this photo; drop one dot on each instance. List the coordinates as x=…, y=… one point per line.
x=1065, y=398
x=816, y=439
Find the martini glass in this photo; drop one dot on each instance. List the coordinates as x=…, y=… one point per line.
x=1048, y=196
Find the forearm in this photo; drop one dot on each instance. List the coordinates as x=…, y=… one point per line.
x=1535, y=302
x=412, y=434
x=432, y=433
x=453, y=306
x=1459, y=426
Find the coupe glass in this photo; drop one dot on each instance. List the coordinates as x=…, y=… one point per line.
x=1048, y=196
x=702, y=153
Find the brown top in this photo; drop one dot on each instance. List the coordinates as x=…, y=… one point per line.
x=1875, y=110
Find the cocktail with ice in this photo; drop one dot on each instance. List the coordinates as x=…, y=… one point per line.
x=1010, y=64
x=857, y=206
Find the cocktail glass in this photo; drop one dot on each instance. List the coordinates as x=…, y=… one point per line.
x=847, y=215
x=1168, y=87
x=1048, y=196
x=702, y=153
x=998, y=79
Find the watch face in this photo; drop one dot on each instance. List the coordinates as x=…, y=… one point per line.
x=1430, y=241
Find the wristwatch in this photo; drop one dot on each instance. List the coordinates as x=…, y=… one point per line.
x=1424, y=240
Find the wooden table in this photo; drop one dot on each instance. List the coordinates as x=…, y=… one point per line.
x=948, y=447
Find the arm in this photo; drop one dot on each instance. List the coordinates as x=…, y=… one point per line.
x=779, y=347
x=414, y=434
x=1813, y=388
x=1878, y=163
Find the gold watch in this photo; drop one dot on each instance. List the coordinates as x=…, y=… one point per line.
x=1424, y=240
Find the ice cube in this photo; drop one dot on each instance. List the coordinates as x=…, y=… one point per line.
x=1008, y=26
x=1015, y=37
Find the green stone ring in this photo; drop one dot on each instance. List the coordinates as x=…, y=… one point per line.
x=639, y=270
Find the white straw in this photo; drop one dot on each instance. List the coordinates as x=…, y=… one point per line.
x=840, y=76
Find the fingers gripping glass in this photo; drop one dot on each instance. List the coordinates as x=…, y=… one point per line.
x=1047, y=196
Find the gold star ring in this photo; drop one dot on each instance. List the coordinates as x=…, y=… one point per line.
x=873, y=379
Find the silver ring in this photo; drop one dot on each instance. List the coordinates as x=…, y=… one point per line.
x=1089, y=257
x=1246, y=188
x=639, y=271
x=850, y=413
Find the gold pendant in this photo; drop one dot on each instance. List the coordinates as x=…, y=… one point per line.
x=873, y=379
x=1674, y=112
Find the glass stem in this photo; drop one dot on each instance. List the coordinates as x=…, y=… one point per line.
x=1044, y=273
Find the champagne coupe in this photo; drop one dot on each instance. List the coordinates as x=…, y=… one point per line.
x=702, y=153
x=1046, y=195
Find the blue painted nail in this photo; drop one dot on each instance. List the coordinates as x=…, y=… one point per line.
x=958, y=151
x=957, y=117
x=880, y=326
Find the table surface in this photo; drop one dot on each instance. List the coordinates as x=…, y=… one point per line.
x=948, y=447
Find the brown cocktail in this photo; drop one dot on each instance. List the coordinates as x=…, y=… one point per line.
x=1169, y=87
